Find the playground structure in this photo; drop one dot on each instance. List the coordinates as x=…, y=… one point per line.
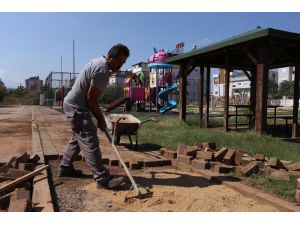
x=153, y=89
x=161, y=82
x=57, y=85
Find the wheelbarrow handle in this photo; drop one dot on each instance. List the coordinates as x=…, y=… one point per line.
x=147, y=120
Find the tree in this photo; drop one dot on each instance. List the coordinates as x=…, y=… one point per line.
x=286, y=88
x=273, y=92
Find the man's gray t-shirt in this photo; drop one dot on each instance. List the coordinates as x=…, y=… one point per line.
x=95, y=73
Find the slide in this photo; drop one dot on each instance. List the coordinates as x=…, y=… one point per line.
x=171, y=104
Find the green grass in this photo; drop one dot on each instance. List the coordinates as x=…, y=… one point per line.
x=169, y=131
x=281, y=188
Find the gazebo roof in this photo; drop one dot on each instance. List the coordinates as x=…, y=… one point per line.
x=281, y=43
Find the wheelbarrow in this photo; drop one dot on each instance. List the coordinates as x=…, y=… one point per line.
x=127, y=125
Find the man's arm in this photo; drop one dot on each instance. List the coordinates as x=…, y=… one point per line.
x=92, y=102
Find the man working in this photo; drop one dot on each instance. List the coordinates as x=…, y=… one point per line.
x=80, y=102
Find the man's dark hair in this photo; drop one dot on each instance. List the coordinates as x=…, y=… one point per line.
x=118, y=49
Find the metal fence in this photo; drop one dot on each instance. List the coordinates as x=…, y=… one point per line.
x=57, y=85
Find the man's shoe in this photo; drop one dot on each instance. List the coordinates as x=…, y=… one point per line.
x=69, y=171
x=110, y=182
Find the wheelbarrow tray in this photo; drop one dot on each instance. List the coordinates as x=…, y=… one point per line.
x=127, y=125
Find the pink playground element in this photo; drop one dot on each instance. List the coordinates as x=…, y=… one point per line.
x=159, y=56
x=138, y=94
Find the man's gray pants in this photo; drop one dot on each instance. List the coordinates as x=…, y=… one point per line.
x=84, y=138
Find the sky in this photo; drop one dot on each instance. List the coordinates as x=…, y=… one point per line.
x=32, y=44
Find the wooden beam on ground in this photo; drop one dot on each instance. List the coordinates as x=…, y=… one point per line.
x=207, y=95
x=200, y=96
x=296, y=99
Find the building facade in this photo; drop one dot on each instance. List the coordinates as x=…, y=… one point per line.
x=34, y=84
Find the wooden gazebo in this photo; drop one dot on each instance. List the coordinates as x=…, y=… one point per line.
x=255, y=52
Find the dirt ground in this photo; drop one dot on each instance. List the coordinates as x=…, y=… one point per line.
x=15, y=131
x=173, y=191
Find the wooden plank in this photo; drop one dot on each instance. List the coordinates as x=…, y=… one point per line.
x=49, y=149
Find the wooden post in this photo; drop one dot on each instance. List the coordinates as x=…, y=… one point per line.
x=207, y=95
x=296, y=98
x=200, y=96
x=182, y=93
x=252, y=96
x=261, y=92
x=226, y=100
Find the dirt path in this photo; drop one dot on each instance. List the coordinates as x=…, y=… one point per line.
x=173, y=190
x=15, y=131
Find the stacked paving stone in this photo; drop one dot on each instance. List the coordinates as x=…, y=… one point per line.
x=223, y=160
x=18, y=198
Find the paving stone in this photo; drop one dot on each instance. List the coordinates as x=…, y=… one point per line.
x=26, y=166
x=297, y=196
x=294, y=166
x=210, y=145
x=4, y=201
x=204, y=155
x=223, y=168
x=14, y=173
x=4, y=168
x=24, y=158
x=294, y=173
x=245, y=160
x=259, y=157
x=169, y=154
x=249, y=169
x=159, y=162
x=184, y=159
x=200, y=164
x=135, y=165
x=238, y=157
x=191, y=151
x=275, y=163
x=219, y=155
x=161, y=151
x=298, y=183
x=12, y=162
x=20, y=205
x=34, y=159
x=105, y=161
x=181, y=149
x=268, y=170
x=229, y=157
x=113, y=162
x=280, y=175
